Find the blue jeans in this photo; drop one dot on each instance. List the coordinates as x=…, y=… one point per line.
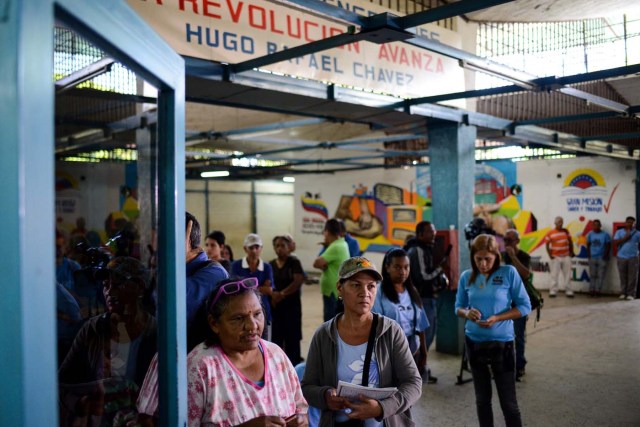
x=597, y=271
x=520, y=328
x=497, y=358
x=330, y=306
x=430, y=309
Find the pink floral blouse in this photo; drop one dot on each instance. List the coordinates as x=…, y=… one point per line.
x=219, y=395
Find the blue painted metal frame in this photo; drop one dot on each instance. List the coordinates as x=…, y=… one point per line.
x=28, y=386
x=125, y=36
x=27, y=313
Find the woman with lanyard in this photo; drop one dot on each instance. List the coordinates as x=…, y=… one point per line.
x=398, y=299
x=490, y=296
x=339, y=347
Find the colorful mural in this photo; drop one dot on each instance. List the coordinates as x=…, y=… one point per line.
x=381, y=214
x=380, y=218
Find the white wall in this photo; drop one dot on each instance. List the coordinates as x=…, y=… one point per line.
x=544, y=192
x=231, y=210
x=96, y=195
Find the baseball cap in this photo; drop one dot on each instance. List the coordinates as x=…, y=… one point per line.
x=125, y=267
x=251, y=240
x=355, y=265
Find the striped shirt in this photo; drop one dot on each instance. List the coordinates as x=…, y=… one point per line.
x=559, y=242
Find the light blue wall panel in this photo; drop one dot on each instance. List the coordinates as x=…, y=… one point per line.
x=27, y=314
x=27, y=307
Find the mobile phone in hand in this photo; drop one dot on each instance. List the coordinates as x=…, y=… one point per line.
x=291, y=420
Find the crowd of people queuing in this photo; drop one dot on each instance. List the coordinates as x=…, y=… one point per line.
x=244, y=326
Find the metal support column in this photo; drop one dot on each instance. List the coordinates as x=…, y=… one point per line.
x=27, y=306
x=451, y=157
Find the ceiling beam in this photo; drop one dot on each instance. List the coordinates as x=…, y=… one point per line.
x=450, y=10
x=380, y=28
x=86, y=73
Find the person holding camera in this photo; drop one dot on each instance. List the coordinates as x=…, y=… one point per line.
x=490, y=297
x=426, y=270
x=100, y=377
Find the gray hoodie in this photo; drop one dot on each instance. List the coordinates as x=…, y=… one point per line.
x=395, y=363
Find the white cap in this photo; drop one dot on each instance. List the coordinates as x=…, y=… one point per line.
x=251, y=240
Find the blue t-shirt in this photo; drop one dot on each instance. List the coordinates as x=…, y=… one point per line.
x=598, y=244
x=264, y=272
x=67, y=305
x=492, y=296
x=64, y=273
x=350, y=367
x=403, y=313
x=354, y=246
x=628, y=249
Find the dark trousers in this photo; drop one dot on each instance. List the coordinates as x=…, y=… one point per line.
x=520, y=329
x=287, y=328
x=497, y=358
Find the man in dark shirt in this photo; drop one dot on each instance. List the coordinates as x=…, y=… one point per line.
x=425, y=269
x=521, y=260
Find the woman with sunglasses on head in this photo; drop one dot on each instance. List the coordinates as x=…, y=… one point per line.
x=104, y=369
x=234, y=377
x=340, y=346
x=490, y=296
x=399, y=299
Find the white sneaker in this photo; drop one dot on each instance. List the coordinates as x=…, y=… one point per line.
x=569, y=294
x=622, y=297
x=630, y=298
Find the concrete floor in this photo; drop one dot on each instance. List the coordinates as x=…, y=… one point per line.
x=583, y=367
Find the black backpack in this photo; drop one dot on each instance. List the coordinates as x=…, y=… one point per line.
x=537, y=302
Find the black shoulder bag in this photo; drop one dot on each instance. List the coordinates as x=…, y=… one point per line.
x=365, y=370
x=369, y=352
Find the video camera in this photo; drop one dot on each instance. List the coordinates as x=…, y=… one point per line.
x=97, y=257
x=476, y=227
x=88, y=280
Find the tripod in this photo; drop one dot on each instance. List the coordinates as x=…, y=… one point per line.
x=464, y=366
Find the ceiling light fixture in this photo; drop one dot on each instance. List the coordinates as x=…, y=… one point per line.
x=214, y=174
x=289, y=179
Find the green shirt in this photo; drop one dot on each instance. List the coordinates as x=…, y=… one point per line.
x=335, y=254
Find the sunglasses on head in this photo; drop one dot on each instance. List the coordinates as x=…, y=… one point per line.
x=234, y=287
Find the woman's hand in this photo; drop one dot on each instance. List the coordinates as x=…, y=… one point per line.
x=265, y=421
x=364, y=408
x=334, y=402
x=298, y=420
x=473, y=314
x=265, y=290
x=276, y=297
x=487, y=323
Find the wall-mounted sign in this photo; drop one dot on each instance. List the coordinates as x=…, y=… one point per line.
x=234, y=31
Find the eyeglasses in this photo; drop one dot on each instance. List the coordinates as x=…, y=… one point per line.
x=234, y=287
